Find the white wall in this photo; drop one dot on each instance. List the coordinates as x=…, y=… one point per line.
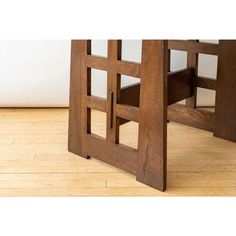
x=36, y=72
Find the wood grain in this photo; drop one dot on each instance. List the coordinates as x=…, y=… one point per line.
x=225, y=125
x=193, y=46
x=34, y=160
x=151, y=163
x=197, y=118
x=78, y=92
x=192, y=62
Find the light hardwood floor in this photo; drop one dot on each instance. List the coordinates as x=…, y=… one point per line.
x=34, y=160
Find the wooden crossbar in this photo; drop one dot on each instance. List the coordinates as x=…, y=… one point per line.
x=117, y=155
x=204, y=82
x=197, y=118
x=121, y=67
x=194, y=47
x=97, y=103
x=179, y=88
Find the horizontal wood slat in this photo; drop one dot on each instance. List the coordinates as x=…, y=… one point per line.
x=179, y=88
x=130, y=94
x=194, y=47
x=117, y=155
x=127, y=112
x=206, y=83
x=97, y=103
x=128, y=68
x=180, y=85
x=96, y=62
x=193, y=117
x=121, y=67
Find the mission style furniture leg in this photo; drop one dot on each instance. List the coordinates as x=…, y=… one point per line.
x=225, y=120
x=151, y=162
x=148, y=162
x=149, y=102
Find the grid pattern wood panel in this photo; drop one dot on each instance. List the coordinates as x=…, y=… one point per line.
x=149, y=102
x=118, y=111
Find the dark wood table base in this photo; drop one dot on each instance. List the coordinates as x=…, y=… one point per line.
x=150, y=102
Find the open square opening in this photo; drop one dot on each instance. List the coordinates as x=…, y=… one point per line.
x=99, y=47
x=129, y=90
x=178, y=60
x=97, y=124
x=205, y=97
x=131, y=50
x=207, y=65
x=98, y=83
x=128, y=134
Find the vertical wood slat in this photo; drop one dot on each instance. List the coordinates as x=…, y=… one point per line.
x=192, y=62
x=78, y=92
x=169, y=60
x=74, y=137
x=87, y=86
x=114, y=51
x=151, y=162
x=225, y=121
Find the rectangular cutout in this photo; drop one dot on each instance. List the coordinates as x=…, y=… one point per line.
x=178, y=60
x=98, y=83
x=128, y=134
x=205, y=97
x=98, y=123
x=131, y=50
x=99, y=47
x=209, y=41
x=129, y=90
x=207, y=65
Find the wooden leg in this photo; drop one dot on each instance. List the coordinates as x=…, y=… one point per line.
x=78, y=113
x=225, y=121
x=151, y=163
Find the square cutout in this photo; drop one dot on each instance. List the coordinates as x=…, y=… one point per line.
x=128, y=134
x=129, y=90
x=98, y=83
x=178, y=60
x=98, y=123
x=207, y=65
x=131, y=50
x=205, y=97
x=99, y=47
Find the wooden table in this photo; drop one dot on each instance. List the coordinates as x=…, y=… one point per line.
x=150, y=103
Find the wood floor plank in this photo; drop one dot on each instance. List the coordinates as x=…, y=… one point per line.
x=186, y=191
x=34, y=166
x=34, y=160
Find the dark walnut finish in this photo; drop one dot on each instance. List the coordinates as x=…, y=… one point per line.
x=150, y=102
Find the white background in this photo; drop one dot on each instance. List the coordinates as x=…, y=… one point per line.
x=35, y=73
